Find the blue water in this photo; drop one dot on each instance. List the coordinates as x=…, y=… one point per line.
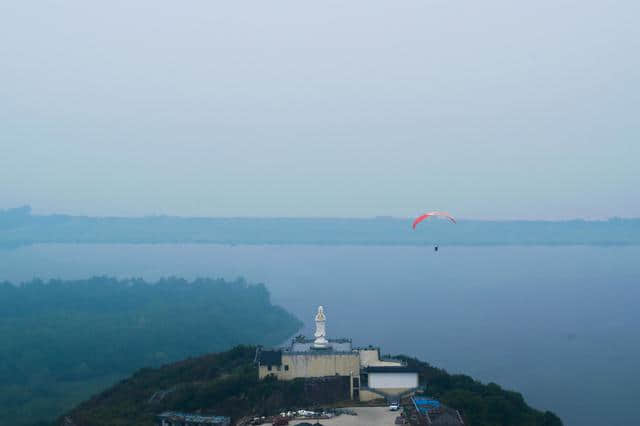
x=561, y=325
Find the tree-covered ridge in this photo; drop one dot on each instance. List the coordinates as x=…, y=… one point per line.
x=481, y=404
x=65, y=340
x=20, y=227
x=227, y=384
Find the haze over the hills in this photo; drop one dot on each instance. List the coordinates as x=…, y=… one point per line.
x=291, y=142
x=494, y=109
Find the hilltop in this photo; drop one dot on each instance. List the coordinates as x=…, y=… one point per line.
x=227, y=384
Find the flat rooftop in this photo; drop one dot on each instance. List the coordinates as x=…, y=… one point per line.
x=302, y=344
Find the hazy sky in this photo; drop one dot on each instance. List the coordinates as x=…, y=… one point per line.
x=489, y=109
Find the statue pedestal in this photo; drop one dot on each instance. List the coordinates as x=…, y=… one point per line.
x=321, y=343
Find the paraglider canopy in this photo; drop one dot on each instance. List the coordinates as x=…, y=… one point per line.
x=444, y=215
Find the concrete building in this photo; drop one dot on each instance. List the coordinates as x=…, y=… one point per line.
x=370, y=376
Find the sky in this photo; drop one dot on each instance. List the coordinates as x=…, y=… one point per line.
x=491, y=109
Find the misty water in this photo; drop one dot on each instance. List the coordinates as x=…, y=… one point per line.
x=558, y=324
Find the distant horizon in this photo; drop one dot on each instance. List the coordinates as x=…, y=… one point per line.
x=19, y=227
x=36, y=212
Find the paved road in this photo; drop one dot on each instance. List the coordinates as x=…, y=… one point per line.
x=367, y=416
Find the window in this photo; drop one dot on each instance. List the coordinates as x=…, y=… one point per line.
x=269, y=368
x=286, y=368
x=356, y=382
x=365, y=380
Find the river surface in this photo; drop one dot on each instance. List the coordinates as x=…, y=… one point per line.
x=561, y=325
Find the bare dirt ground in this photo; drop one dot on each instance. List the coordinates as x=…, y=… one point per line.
x=367, y=416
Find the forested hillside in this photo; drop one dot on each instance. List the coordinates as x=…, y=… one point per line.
x=227, y=384
x=63, y=341
x=482, y=404
x=20, y=227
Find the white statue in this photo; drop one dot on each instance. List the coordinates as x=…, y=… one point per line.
x=321, y=333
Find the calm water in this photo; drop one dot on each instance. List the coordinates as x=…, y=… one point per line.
x=561, y=325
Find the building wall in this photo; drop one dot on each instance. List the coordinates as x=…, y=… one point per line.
x=367, y=395
x=263, y=371
x=337, y=345
x=370, y=357
x=345, y=364
x=314, y=365
x=393, y=380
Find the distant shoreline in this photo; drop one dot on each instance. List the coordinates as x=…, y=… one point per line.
x=294, y=244
x=19, y=227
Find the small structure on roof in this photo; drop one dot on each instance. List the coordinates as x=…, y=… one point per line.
x=175, y=418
